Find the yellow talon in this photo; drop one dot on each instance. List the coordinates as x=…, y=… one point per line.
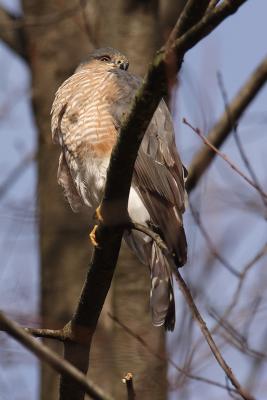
x=92, y=236
x=98, y=214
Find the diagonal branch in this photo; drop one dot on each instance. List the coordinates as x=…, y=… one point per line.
x=238, y=141
x=226, y=159
x=57, y=334
x=206, y=333
x=202, y=324
x=147, y=99
x=223, y=127
x=210, y=244
x=47, y=355
x=164, y=358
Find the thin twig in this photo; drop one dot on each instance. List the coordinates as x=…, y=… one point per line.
x=213, y=4
x=223, y=127
x=47, y=355
x=128, y=380
x=235, y=338
x=225, y=158
x=163, y=357
x=57, y=334
x=238, y=141
x=261, y=253
x=203, y=327
x=206, y=333
x=212, y=248
x=147, y=231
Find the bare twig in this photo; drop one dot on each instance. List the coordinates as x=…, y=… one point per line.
x=47, y=355
x=225, y=158
x=261, y=253
x=57, y=334
x=223, y=127
x=192, y=12
x=147, y=231
x=164, y=358
x=128, y=380
x=235, y=338
x=213, y=4
x=206, y=333
x=212, y=248
x=238, y=141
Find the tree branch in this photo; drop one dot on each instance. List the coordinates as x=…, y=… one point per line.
x=223, y=127
x=57, y=334
x=210, y=244
x=213, y=4
x=206, y=333
x=226, y=159
x=238, y=141
x=147, y=99
x=167, y=359
x=128, y=380
x=47, y=355
x=202, y=324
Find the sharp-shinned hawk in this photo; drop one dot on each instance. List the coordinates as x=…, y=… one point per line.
x=87, y=114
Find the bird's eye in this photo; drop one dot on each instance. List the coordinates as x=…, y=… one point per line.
x=105, y=58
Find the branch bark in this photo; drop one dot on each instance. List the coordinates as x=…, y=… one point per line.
x=200, y=321
x=206, y=333
x=48, y=356
x=227, y=160
x=128, y=381
x=224, y=126
x=153, y=89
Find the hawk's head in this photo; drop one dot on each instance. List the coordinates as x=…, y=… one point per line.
x=109, y=56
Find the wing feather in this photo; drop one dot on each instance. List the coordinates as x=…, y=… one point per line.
x=159, y=181
x=159, y=178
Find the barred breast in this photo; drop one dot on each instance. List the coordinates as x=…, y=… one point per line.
x=81, y=118
x=84, y=127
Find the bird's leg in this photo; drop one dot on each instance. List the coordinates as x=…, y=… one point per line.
x=92, y=234
x=98, y=215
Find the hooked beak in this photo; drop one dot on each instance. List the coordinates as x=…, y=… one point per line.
x=122, y=65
